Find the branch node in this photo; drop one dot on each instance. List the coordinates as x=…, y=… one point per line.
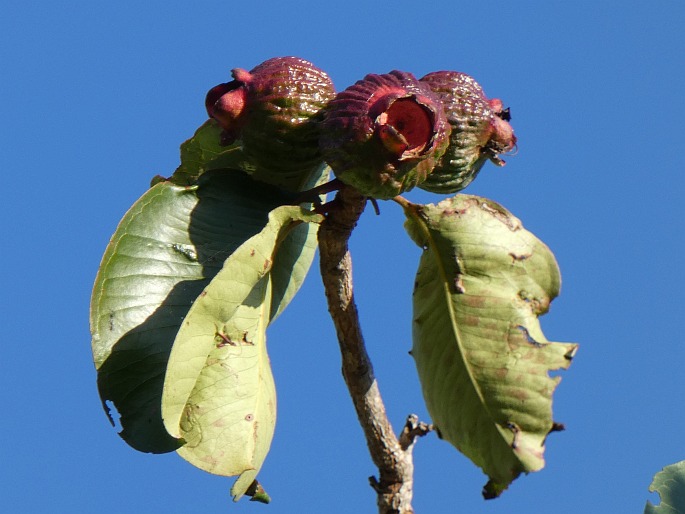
x=412, y=430
x=375, y=484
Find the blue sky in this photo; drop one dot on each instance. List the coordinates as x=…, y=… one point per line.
x=96, y=98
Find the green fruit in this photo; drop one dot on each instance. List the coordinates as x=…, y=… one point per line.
x=480, y=131
x=272, y=111
x=384, y=134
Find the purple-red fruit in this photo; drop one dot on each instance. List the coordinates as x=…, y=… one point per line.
x=384, y=134
x=480, y=131
x=271, y=110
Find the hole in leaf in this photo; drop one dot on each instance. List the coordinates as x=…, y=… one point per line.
x=654, y=498
x=113, y=415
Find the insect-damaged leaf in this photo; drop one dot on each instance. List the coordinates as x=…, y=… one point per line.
x=670, y=484
x=166, y=249
x=482, y=359
x=219, y=394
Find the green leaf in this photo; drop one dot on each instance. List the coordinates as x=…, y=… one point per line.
x=482, y=358
x=670, y=484
x=203, y=152
x=219, y=394
x=166, y=249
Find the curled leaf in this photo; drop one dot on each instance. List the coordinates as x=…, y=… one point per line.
x=166, y=249
x=219, y=395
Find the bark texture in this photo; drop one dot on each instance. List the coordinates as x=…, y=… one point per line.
x=391, y=455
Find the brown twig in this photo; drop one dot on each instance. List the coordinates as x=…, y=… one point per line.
x=391, y=455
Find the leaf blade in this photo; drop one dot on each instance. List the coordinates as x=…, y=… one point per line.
x=167, y=247
x=204, y=152
x=670, y=484
x=219, y=394
x=482, y=359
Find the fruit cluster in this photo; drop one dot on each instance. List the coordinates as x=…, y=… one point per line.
x=383, y=135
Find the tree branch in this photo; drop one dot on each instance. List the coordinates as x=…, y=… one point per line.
x=393, y=457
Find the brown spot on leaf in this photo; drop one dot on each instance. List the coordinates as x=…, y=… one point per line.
x=470, y=320
x=501, y=373
x=521, y=257
x=223, y=340
x=512, y=223
x=476, y=302
x=451, y=211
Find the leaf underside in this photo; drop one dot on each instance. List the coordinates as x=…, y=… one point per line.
x=670, y=484
x=481, y=356
x=219, y=395
x=166, y=249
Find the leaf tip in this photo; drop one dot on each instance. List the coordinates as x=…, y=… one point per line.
x=257, y=493
x=493, y=489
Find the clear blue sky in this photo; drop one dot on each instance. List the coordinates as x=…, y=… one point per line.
x=96, y=98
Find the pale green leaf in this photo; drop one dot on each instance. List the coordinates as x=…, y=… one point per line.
x=219, y=395
x=166, y=249
x=482, y=358
x=670, y=484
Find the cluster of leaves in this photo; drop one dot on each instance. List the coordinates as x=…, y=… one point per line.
x=207, y=259
x=187, y=286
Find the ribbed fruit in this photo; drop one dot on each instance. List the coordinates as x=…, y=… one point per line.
x=271, y=110
x=480, y=131
x=384, y=134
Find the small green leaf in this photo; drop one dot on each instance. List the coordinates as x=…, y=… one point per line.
x=219, y=394
x=670, y=484
x=203, y=152
x=166, y=249
x=482, y=358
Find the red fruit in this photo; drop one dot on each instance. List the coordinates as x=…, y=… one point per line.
x=384, y=134
x=226, y=103
x=480, y=131
x=271, y=110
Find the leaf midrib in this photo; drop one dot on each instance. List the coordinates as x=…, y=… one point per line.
x=432, y=246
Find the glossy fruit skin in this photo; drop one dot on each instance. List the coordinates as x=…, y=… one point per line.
x=480, y=131
x=272, y=110
x=384, y=134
